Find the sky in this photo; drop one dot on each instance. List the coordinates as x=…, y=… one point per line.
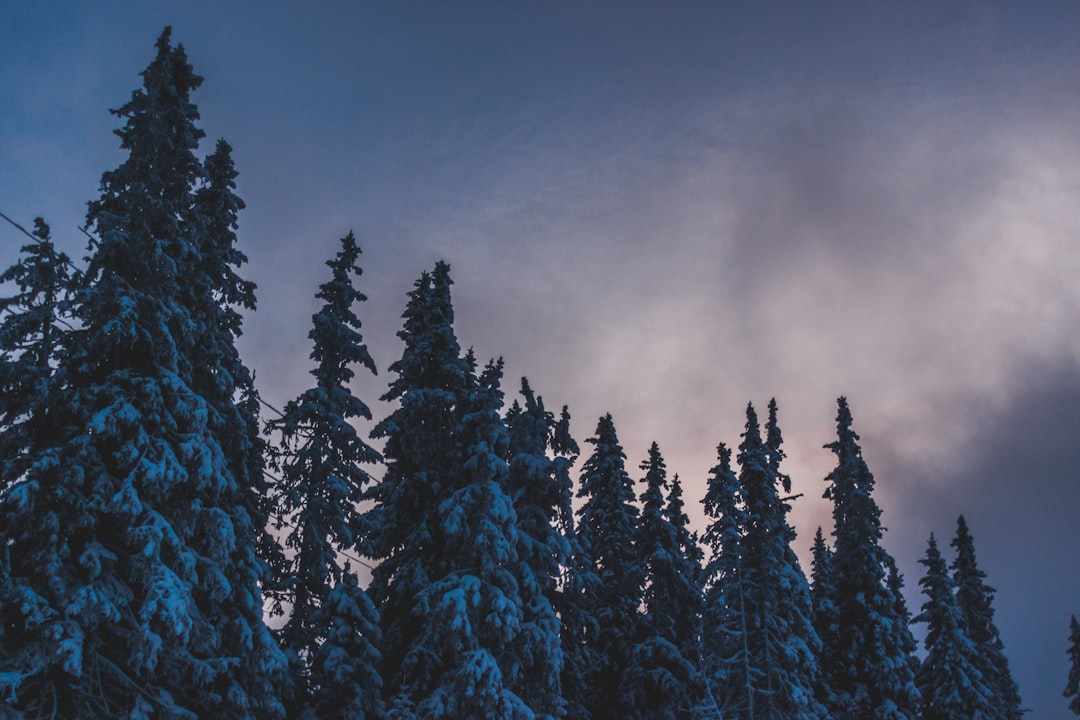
x=662, y=211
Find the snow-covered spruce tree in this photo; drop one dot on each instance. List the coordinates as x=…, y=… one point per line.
x=663, y=678
x=476, y=608
x=565, y=451
x=725, y=630
x=444, y=527
x=950, y=684
x=686, y=591
x=801, y=675
x=331, y=641
x=422, y=460
x=822, y=592
x=31, y=419
x=1072, y=686
x=868, y=664
x=131, y=544
x=543, y=552
x=579, y=628
x=347, y=661
x=608, y=521
x=218, y=373
x=975, y=599
x=894, y=581
x=32, y=332
x=782, y=641
x=573, y=600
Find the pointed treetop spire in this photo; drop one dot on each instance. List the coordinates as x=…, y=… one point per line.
x=949, y=681
x=1072, y=687
x=975, y=601
x=774, y=441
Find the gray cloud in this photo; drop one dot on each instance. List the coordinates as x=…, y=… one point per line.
x=1018, y=486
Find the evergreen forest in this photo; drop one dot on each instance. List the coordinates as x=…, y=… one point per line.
x=169, y=548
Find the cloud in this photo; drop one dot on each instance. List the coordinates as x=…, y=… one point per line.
x=915, y=254
x=1018, y=486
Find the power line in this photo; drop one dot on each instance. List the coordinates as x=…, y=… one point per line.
x=282, y=521
x=21, y=229
x=259, y=397
x=35, y=238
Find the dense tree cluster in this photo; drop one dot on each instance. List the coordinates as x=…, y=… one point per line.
x=149, y=521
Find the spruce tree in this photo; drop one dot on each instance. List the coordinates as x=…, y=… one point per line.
x=331, y=634
x=133, y=551
x=975, y=600
x=1072, y=687
x=725, y=631
x=800, y=675
x=950, y=683
x=782, y=641
x=687, y=577
x=565, y=451
x=474, y=608
x=868, y=660
x=32, y=334
x=655, y=542
x=347, y=661
x=578, y=627
x=31, y=417
x=543, y=552
x=663, y=678
x=217, y=295
x=444, y=527
x=421, y=458
x=894, y=581
x=822, y=592
x=608, y=521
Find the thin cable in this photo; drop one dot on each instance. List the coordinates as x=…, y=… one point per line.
x=21, y=229
x=283, y=522
x=263, y=402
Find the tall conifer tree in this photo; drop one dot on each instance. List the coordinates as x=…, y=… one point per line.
x=217, y=296
x=332, y=630
x=421, y=456
x=444, y=527
x=822, y=592
x=782, y=642
x=132, y=542
x=687, y=577
x=975, y=600
x=32, y=335
x=663, y=678
x=543, y=552
x=479, y=528
x=868, y=665
x=1072, y=686
x=565, y=450
x=32, y=339
x=608, y=520
x=573, y=601
x=725, y=631
x=894, y=581
x=950, y=683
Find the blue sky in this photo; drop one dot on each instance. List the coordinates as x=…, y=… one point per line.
x=661, y=210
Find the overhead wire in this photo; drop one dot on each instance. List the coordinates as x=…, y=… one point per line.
x=21, y=229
